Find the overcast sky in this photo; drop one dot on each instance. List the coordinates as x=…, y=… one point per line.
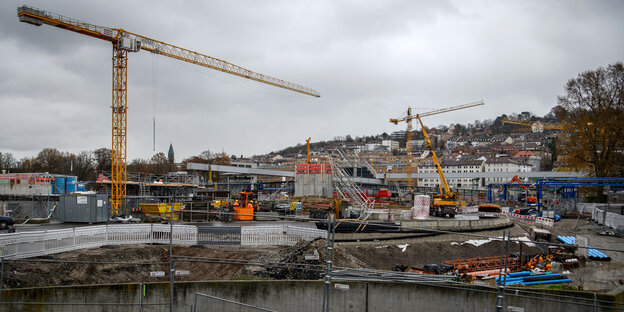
x=370, y=60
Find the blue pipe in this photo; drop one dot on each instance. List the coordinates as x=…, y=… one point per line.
x=559, y=281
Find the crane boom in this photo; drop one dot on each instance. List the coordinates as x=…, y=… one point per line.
x=124, y=42
x=533, y=124
x=437, y=111
x=128, y=40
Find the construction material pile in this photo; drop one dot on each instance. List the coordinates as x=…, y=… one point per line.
x=592, y=253
x=528, y=278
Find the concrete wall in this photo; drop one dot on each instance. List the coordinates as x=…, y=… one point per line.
x=24, y=188
x=300, y=296
x=452, y=224
x=314, y=185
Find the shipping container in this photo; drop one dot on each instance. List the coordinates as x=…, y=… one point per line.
x=84, y=208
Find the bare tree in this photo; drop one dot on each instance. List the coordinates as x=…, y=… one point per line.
x=593, y=109
x=102, y=158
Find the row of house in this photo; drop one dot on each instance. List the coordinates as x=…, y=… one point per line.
x=469, y=164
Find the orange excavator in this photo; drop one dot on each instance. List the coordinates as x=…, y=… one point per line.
x=529, y=199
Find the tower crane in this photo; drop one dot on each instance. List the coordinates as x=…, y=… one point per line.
x=125, y=42
x=446, y=201
x=536, y=124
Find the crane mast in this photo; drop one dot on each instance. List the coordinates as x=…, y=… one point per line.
x=124, y=42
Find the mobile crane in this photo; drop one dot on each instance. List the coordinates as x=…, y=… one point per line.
x=123, y=42
x=446, y=202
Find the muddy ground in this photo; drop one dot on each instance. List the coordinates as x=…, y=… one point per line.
x=237, y=262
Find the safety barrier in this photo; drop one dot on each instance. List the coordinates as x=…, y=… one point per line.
x=530, y=219
x=40, y=243
x=313, y=169
x=612, y=220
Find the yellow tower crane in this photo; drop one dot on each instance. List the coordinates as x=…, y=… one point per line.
x=446, y=202
x=124, y=42
x=536, y=125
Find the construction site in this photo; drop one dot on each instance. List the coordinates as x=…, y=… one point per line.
x=343, y=229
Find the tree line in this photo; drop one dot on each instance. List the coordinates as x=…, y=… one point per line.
x=86, y=165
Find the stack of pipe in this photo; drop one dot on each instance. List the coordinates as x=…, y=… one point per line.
x=527, y=278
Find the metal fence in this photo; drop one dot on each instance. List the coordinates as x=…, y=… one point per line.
x=34, y=244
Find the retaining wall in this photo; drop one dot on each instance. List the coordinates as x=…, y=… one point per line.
x=460, y=225
x=300, y=296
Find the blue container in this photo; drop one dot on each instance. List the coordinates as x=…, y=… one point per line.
x=58, y=186
x=81, y=187
x=70, y=184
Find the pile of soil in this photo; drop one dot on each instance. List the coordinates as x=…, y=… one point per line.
x=51, y=271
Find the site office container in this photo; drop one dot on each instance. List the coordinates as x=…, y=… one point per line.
x=84, y=208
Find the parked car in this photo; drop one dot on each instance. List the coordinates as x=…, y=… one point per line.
x=5, y=222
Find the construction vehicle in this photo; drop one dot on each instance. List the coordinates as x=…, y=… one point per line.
x=446, y=202
x=530, y=200
x=123, y=43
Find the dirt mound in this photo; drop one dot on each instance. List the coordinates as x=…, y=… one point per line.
x=291, y=262
x=49, y=272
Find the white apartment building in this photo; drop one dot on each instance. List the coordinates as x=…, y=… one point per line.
x=391, y=144
x=463, y=165
x=500, y=164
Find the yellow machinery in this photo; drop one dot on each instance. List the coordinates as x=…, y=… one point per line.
x=163, y=210
x=308, y=143
x=446, y=202
x=124, y=42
